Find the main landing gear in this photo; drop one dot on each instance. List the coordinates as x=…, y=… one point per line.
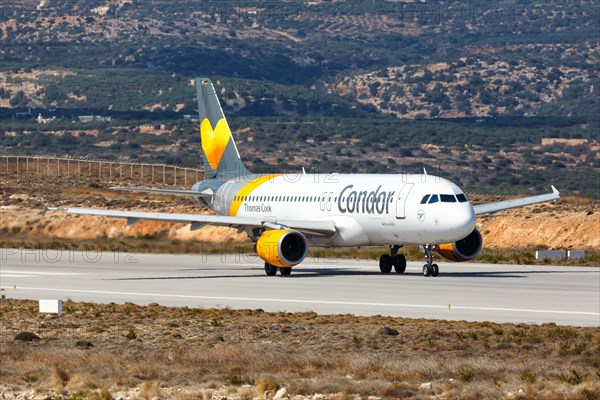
x=387, y=261
x=271, y=270
x=430, y=269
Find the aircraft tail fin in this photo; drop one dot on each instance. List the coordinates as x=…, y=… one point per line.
x=221, y=157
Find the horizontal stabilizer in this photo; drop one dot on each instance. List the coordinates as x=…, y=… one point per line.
x=173, y=192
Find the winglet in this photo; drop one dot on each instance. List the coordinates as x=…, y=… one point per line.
x=554, y=190
x=46, y=209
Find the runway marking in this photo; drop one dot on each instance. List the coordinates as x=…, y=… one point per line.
x=324, y=302
x=29, y=273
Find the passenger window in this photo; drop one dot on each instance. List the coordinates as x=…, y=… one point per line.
x=425, y=198
x=434, y=199
x=448, y=198
x=461, y=198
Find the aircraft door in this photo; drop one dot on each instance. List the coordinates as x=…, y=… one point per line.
x=401, y=202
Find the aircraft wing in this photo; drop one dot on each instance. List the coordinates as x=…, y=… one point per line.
x=490, y=208
x=163, y=191
x=197, y=221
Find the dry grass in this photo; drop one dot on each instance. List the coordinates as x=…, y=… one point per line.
x=181, y=353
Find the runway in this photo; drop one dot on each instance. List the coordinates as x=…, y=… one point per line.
x=466, y=291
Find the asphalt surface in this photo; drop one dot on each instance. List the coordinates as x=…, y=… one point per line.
x=466, y=291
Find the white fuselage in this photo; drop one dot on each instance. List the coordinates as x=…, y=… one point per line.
x=366, y=209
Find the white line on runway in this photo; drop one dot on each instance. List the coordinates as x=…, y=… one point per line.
x=29, y=273
x=346, y=303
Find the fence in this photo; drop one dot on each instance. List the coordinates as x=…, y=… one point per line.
x=113, y=171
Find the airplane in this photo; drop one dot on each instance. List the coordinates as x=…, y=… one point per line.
x=284, y=214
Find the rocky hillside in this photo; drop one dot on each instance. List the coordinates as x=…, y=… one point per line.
x=478, y=87
x=407, y=58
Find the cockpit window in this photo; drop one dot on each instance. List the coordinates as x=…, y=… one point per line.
x=462, y=198
x=433, y=199
x=425, y=198
x=448, y=198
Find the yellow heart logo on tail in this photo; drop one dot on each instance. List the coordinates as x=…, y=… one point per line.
x=214, y=141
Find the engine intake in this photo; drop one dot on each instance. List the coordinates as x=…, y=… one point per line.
x=462, y=250
x=282, y=247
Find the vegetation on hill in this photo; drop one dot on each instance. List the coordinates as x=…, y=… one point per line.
x=327, y=79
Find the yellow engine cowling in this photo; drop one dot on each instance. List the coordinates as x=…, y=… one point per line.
x=462, y=250
x=282, y=247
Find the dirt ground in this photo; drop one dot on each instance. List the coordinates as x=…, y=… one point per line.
x=104, y=351
x=568, y=223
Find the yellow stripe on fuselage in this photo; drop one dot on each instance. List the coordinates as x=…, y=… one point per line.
x=246, y=190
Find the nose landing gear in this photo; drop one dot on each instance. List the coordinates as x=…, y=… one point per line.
x=430, y=269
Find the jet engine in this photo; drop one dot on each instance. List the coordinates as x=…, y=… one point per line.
x=462, y=250
x=282, y=247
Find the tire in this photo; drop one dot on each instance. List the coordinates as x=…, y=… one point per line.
x=270, y=270
x=386, y=262
x=400, y=263
x=285, y=271
x=435, y=270
x=426, y=270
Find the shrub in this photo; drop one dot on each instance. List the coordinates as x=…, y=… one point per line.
x=130, y=334
x=573, y=377
x=528, y=377
x=26, y=336
x=467, y=375
x=236, y=380
x=387, y=331
x=29, y=378
x=266, y=383
x=84, y=344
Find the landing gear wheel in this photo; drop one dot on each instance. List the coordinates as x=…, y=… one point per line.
x=435, y=270
x=400, y=263
x=385, y=263
x=426, y=270
x=270, y=269
x=285, y=271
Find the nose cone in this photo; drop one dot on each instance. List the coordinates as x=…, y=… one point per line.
x=464, y=220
